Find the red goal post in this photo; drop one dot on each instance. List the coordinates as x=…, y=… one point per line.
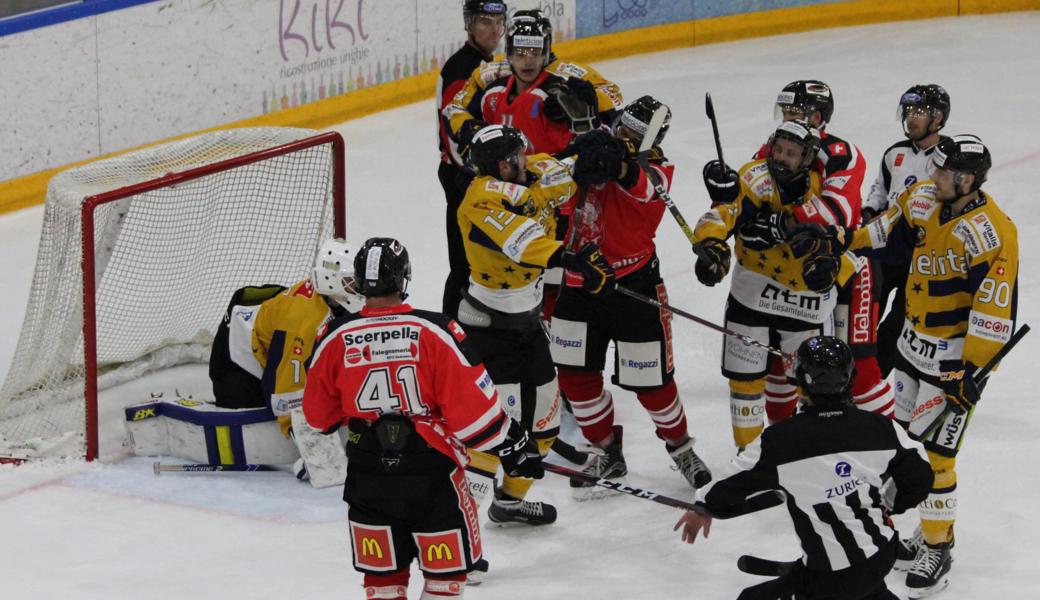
x=169, y=234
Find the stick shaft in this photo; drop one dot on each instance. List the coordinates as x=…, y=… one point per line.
x=617, y=486
x=202, y=468
x=709, y=107
x=682, y=313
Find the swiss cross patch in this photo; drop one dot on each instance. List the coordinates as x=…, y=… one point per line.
x=306, y=290
x=899, y=159
x=838, y=149
x=457, y=331
x=297, y=351
x=1000, y=271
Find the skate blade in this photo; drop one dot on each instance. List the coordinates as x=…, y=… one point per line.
x=474, y=578
x=915, y=593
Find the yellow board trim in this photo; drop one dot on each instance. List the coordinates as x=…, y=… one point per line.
x=30, y=190
x=223, y=434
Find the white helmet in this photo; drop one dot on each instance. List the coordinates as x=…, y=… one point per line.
x=334, y=274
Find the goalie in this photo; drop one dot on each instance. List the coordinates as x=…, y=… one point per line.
x=257, y=369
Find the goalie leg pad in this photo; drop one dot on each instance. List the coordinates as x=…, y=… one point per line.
x=205, y=433
x=324, y=455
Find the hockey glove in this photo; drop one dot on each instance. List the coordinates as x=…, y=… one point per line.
x=867, y=214
x=723, y=183
x=466, y=133
x=598, y=164
x=957, y=379
x=815, y=239
x=597, y=274
x=766, y=230
x=583, y=90
x=591, y=139
x=519, y=454
x=794, y=191
x=820, y=272
x=713, y=259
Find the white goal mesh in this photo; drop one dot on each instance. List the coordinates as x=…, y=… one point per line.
x=220, y=210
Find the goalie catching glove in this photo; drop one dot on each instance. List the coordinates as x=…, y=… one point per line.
x=713, y=260
x=597, y=274
x=519, y=454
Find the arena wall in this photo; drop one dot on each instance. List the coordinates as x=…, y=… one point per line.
x=104, y=76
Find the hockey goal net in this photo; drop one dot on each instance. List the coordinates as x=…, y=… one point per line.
x=138, y=257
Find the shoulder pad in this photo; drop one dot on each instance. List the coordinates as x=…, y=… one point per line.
x=513, y=192
x=491, y=71
x=566, y=69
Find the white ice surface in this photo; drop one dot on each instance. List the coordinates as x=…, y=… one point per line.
x=113, y=530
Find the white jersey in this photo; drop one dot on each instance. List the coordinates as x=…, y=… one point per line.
x=903, y=165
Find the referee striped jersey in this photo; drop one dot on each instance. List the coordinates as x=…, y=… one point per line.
x=833, y=467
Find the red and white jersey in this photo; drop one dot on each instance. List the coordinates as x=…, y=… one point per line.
x=842, y=168
x=622, y=221
x=416, y=363
x=524, y=111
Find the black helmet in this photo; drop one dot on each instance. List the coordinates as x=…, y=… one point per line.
x=529, y=29
x=637, y=115
x=472, y=8
x=382, y=268
x=824, y=370
x=964, y=154
x=807, y=95
x=492, y=144
x=801, y=133
x=930, y=96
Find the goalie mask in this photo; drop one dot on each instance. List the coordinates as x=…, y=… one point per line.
x=637, y=115
x=825, y=371
x=382, y=268
x=804, y=97
x=807, y=139
x=334, y=274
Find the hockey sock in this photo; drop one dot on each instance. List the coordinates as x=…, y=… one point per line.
x=480, y=475
x=438, y=587
x=781, y=396
x=387, y=587
x=869, y=391
x=517, y=487
x=746, y=410
x=592, y=405
x=939, y=509
x=666, y=411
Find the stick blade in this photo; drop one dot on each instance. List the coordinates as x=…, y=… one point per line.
x=653, y=128
x=709, y=107
x=754, y=565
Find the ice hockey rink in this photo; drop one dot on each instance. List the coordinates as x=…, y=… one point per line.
x=111, y=529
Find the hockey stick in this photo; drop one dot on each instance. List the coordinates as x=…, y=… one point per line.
x=569, y=452
x=980, y=377
x=746, y=339
x=753, y=565
x=617, y=486
x=643, y=158
x=709, y=107
x=160, y=468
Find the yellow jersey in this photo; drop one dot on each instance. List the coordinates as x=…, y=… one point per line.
x=770, y=280
x=962, y=290
x=509, y=233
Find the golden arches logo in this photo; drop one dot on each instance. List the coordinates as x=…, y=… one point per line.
x=438, y=552
x=371, y=546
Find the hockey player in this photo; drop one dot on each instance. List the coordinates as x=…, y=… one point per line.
x=620, y=213
x=842, y=472
x=547, y=99
x=782, y=293
x=407, y=385
x=266, y=337
x=509, y=227
x=923, y=110
x=842, y=168
x=961, y=303
x=485, y=25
